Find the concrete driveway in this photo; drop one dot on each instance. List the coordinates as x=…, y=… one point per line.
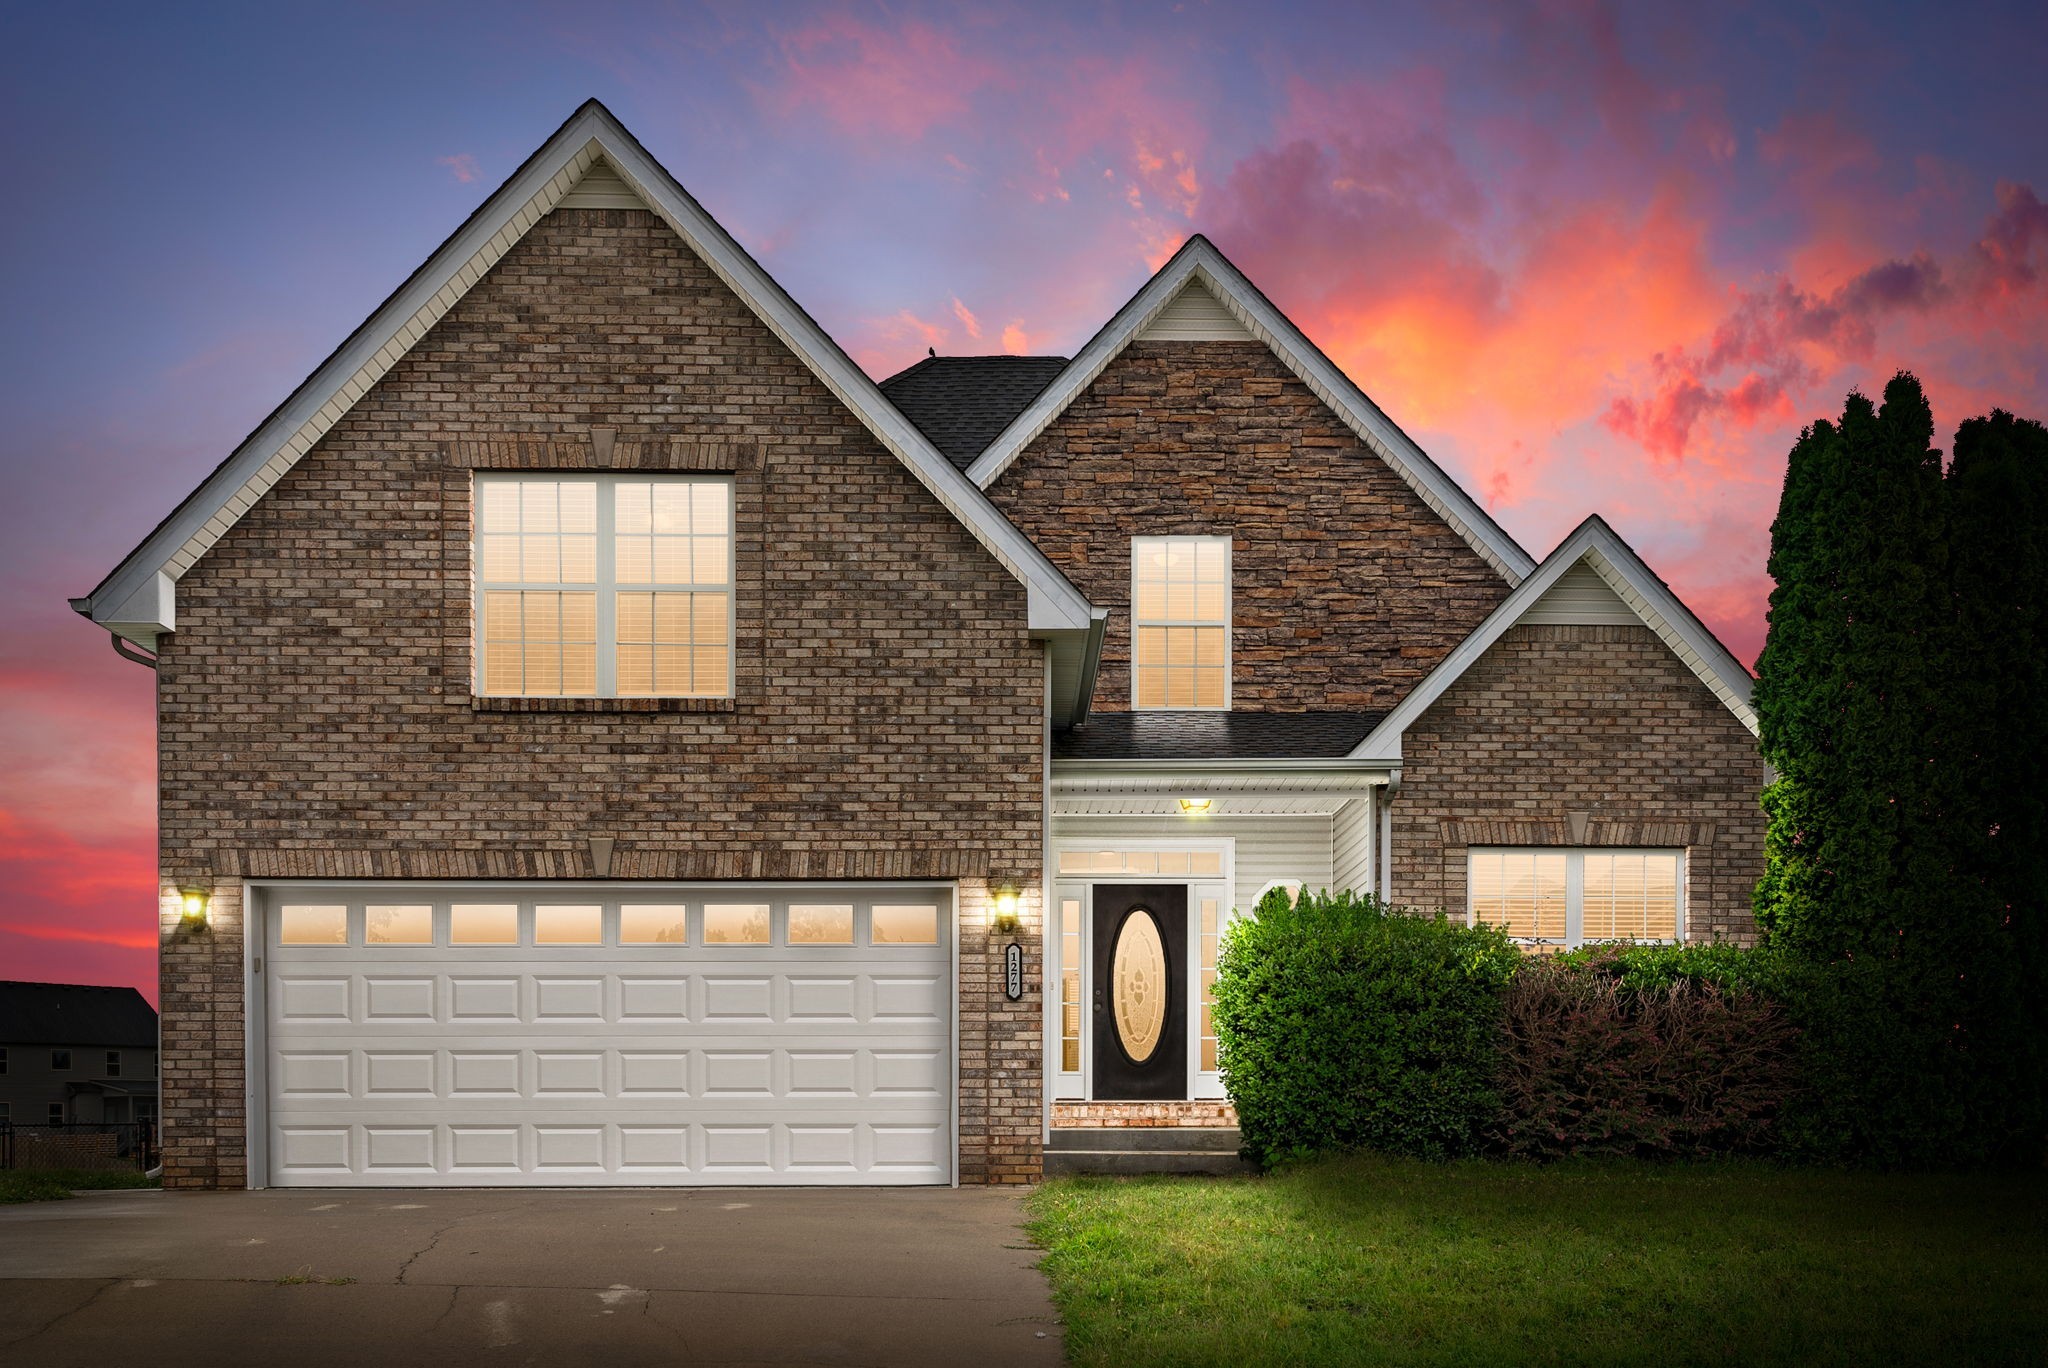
x=300, y=1278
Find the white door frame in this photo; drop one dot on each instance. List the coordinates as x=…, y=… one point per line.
x=1082, y=885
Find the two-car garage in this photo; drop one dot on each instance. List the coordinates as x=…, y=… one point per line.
x=583, y=1035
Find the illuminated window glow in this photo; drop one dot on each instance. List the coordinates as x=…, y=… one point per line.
x=1180, y=622
x=604, y=586
x=1556, y=899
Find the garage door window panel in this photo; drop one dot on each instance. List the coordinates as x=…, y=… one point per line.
x=398, y=924
x=568, y=924
x=653, y=924
x=313, y=924
x=736, y=924
x=483, y=924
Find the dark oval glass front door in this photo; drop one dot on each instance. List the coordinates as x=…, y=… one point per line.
x=1140, y=1021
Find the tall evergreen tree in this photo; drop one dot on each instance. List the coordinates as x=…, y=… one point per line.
x=1850, y=679
x=1997, y=491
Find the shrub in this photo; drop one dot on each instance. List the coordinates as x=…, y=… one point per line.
x=1620, y=1053
x=1344, y=1024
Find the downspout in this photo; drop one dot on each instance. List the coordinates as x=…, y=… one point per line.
x=127, y=652
x=1393, y=786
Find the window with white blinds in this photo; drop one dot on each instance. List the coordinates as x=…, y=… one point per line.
x=1180, y=622
x=1556, y=899
x=604, y=586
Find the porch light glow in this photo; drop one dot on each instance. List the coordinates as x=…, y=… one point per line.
x=194, y=900
x=1006, y=910
x=1192, y=805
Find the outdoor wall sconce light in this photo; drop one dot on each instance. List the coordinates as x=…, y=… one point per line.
x=194, y=901
x=1005, y=919
x=1191, y=806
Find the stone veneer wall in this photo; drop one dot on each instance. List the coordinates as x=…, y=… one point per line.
x=1583, y=735
x=314, y=709
x=1347, y=589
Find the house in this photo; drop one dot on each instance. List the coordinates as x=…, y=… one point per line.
x=76, y=1052
x=606, y=738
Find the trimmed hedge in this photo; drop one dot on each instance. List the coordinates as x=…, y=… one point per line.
x=1343, y=1025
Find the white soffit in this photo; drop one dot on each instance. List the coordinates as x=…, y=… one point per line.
x=1199, y=264
x=591, y=138
x=1648, y=600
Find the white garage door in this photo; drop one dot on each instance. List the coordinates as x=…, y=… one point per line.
x=692, y=1035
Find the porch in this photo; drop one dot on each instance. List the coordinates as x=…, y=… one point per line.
x=1164, y=828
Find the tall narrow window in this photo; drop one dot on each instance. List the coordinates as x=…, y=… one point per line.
x=604, y=586
x=1180, y=622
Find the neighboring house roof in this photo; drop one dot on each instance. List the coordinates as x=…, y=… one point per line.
x=1642, y=595
x=138, y=600
x=962, y=402
x=1214, y=736
x=1199, y=263
x=74, y=1014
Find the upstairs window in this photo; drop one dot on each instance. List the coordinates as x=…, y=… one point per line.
x=60, y=1061
x=1555, y=899
x=604, y=586
x=113, y=1063
x=1180, y=622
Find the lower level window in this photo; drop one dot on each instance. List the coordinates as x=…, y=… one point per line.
x=1561, y=898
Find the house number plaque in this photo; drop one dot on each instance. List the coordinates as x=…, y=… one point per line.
x=1013, y=971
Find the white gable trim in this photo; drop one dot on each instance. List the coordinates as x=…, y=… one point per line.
x=1597, y=545
x=1199, y=261
x=538, y=186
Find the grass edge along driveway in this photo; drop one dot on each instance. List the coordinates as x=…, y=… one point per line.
x=1368, y=1260
x=50, y=1185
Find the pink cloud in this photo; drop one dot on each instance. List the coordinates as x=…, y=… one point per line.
x=866, y=79
x=462, y=165
x=967, y=318
x=1015, y=341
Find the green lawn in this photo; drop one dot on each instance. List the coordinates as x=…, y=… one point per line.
x=47, y=1185
x=1369, y=1260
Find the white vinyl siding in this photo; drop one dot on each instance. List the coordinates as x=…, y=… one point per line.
x=604, y=586
x=1180, y=623
x=1194, y=315
x=1581, y=596
x=1555, y=899
x=1351, y=841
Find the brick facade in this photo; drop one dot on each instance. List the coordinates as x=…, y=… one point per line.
x=1347, y=588
x=314, y=709
x=1598, y=728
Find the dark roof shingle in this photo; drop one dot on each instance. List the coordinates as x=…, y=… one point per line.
x=1215, y=736
x=74, y=1014
x=962, y=403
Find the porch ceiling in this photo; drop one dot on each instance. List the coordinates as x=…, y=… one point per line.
x=1246, y=805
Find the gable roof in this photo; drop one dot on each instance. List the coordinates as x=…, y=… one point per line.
x=74, y=1014
x=1597, y=546
x=138, y=599
x=962, y=402
x=1198, y=261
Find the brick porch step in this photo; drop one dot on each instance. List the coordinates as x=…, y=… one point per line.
x=1142, y=1149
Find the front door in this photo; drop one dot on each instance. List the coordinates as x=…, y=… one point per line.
x=1140, y=961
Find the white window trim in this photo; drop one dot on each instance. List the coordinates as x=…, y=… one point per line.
x=1575, y=890
x=606, y=584
x=1228, y=624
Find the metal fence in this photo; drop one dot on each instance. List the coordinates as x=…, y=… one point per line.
x=79, y=1145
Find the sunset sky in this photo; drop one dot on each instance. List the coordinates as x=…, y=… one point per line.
x=1591, y=260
